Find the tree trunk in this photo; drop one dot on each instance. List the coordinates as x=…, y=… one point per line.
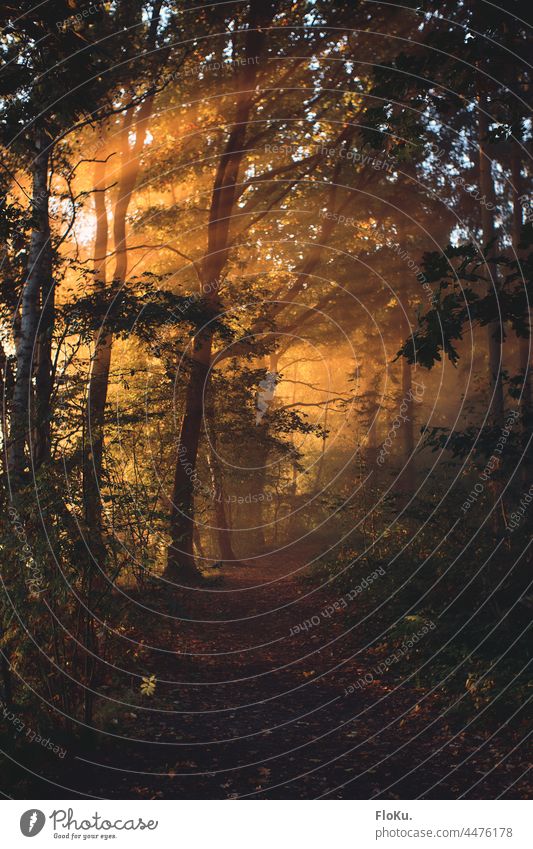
x=99, y=375
x=407, y=478
x=371, y=448
x=39, y=278
x=101, y=361
x=488, y=204
x=180, y=559
x=261, y=455
x=7, y=381
x=495, y=412
x=6, y=680
x=223, y=529
x=524, y=343
x=44, y=377
x=372, y=412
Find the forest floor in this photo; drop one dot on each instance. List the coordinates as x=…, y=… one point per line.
x=244, y=709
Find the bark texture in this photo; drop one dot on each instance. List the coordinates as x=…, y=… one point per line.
x=38, y=280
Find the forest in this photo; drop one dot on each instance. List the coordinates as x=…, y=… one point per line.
x=265, y=354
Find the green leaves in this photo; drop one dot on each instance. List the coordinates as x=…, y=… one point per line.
x=471, y=290
x=130, y=311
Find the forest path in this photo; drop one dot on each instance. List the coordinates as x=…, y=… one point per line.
x=246, y=707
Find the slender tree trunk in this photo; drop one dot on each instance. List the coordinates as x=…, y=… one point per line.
x=225, y=544
x=495, y=411
x=260, y=461
x=407, y=480
x=38, y=279
x=6, y=680
x=44, y=377
x=101, y=361
x=38, y=282
x=91, y=649
x=371, y=451
x=99, y=375
x=7, y=382
x=524, y=343
x=223, y=529
x=261, y=458
x=180, y=559
x=407, y=476
x=488, y=204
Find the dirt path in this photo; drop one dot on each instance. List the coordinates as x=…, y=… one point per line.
x=245, y=708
